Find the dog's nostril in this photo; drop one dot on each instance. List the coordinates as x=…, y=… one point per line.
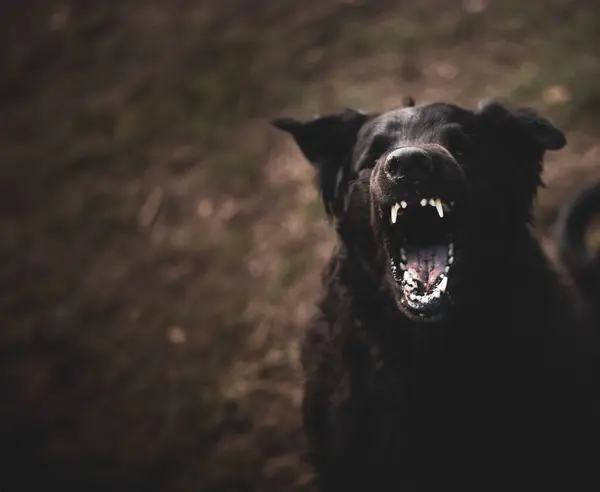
x=407, y=161
x=392, y=167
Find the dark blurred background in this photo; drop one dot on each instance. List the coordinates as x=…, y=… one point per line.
x=161, y=244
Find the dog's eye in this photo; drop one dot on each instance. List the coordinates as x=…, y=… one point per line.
x=457, y=142
x=379, y=145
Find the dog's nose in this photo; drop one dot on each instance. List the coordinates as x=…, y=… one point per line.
x=413, y=162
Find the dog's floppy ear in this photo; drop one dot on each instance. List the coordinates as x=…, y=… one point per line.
x=538, y=128
x=326, y=137
x=327, y=143
x=544, y=132
x=521, y=138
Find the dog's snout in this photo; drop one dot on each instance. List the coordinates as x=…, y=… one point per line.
x=412, y=162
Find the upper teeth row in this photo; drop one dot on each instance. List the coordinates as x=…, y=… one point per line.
x=434, y=202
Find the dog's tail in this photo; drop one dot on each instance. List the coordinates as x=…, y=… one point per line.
x=582, y=263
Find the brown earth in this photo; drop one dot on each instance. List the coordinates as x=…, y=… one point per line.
x=162, y=243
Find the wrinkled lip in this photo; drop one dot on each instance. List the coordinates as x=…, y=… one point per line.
x=419, y=240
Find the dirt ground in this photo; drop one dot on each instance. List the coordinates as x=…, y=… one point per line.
x=161, y=243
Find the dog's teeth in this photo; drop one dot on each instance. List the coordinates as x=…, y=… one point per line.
x=403, y=204
x=402, y=254
x=443, y=284
x=438, y=206
x=451, y=249
x=447, y=269
x=450, y=260
x=432, y=202
x=423, y=202
x=395, y=209
x=408, y=277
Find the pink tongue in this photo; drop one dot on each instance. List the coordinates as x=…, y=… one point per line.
x=428, y=262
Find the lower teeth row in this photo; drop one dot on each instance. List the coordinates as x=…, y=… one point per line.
x=412, y=284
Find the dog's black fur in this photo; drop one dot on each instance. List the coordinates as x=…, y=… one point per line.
x=494, y=391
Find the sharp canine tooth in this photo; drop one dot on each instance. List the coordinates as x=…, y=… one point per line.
x=423, y=202
x=438, y=206
x=403, y=204
x=395, y=208
x=443, y=284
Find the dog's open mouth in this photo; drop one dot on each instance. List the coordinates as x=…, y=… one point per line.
x=420, y=247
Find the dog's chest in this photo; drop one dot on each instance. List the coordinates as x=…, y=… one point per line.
x=438, y=399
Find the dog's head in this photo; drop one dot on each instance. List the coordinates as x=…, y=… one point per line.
x=415, y=191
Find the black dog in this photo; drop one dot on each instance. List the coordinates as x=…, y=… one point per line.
x=444, y=354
